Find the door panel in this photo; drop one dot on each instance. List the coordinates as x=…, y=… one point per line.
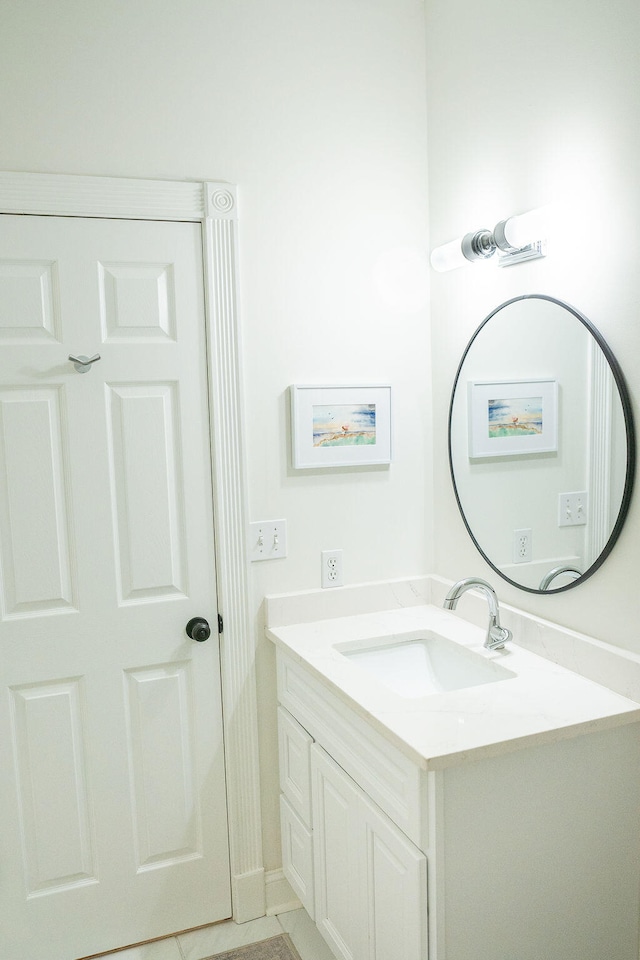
x=161, y=735
x=28, y=295
x=113, y=822
x=35, y=517
x=137, y=301
x=146, y=472
x=48, y=734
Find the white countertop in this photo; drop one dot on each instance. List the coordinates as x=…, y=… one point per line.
x=543, y=703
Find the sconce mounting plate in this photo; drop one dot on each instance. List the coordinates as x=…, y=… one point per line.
x=534, y=251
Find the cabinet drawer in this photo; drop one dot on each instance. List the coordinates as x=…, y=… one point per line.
x=295, y=777
x=391, y=779
x=297, y=855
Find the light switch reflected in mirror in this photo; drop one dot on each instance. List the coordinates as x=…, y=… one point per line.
x=541, y=444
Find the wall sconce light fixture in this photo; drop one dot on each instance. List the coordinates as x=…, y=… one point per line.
x=515, y=240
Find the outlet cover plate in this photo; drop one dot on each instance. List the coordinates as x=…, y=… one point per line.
x=522, y=545
x=331, y=568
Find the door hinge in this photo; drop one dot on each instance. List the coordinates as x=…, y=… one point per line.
x=220, y=624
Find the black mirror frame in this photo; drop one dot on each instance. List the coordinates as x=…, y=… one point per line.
x=625, y=401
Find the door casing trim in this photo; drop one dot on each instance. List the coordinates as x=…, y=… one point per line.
x=214, y=205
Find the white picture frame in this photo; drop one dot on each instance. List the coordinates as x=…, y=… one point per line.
x=340, y=426
x=509, y=418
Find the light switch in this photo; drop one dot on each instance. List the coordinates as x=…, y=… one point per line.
x=572, y=509
x=267, y=539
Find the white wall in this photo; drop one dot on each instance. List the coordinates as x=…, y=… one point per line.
x=317, y=111
x=531, y=103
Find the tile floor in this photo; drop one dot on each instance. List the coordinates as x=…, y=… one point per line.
x=207, y=941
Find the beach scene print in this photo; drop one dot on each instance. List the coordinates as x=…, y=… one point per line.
x=344, y=425
x=515, y=417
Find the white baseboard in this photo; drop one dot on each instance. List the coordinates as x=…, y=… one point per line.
x=279, y=896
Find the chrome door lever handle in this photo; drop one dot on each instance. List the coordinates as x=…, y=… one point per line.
x=82, y=363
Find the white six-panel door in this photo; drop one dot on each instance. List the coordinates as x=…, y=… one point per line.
x=113, y=823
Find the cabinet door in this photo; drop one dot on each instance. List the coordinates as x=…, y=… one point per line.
x=295, y=778
x=297, y=855
x=335, y=850
x=371, y=881
x=393, y=887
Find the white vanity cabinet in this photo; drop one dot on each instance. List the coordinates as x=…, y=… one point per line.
x=357, y=874
x=531, y=852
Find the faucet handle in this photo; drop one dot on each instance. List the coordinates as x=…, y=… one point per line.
x=497, y=636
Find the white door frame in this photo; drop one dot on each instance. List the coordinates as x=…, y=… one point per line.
x=214, y=205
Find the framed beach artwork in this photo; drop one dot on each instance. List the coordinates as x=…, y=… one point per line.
x=510, y=418
x=342, y=426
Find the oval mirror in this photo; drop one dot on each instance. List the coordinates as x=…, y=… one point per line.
x=541, y=444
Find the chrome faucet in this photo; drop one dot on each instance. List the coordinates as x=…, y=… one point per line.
x=497, y=636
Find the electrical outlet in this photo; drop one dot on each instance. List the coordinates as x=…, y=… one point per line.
x=572, y=509
x=331, y=568
x=522, y=546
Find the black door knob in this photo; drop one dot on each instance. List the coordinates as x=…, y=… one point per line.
x=198, y=629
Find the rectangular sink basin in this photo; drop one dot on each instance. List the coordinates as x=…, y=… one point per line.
x=426, y=665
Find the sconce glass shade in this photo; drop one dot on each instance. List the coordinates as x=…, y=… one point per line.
x=449, y=256
x=479, y=245
x=526, y=228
